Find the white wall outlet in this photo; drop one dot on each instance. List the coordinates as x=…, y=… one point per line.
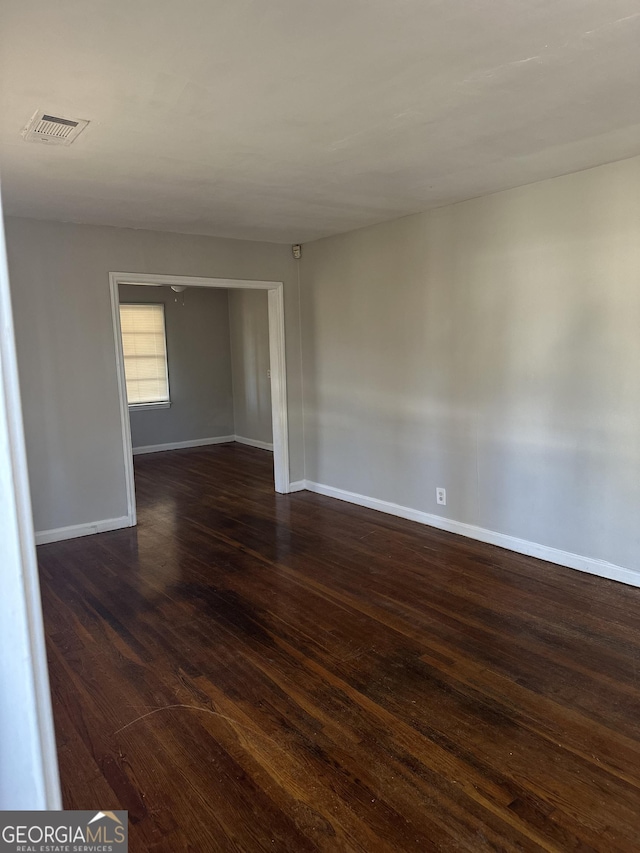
x=441, y=496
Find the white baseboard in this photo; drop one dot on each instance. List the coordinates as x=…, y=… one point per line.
x=177, y=445
x=43, y=537
x=202, y=442
x=254, y=442
x=521, y=546
x=297, y=486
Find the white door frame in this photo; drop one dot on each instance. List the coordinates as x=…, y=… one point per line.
x=278, y=366
x=29, y=766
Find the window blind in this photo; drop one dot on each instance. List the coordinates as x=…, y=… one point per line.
x=145, y=353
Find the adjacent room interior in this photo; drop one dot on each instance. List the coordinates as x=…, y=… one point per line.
x=326, y=332
x=196, y=366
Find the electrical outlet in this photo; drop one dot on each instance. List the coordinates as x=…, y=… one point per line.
x=441, y=496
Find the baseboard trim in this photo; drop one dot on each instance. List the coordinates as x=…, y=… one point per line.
x=297, y=486
x=253, y=442
x=44, y=537
x=178, y=445
x=521, y=546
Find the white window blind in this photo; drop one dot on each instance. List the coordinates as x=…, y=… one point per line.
x=145, y=353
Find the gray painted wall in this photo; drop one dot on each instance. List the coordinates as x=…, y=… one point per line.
x=66, y=356
x=490, y=347
x=199, y=357
x=249, y=324
x=493, y=348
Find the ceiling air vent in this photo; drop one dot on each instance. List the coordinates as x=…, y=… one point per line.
x=54, y=130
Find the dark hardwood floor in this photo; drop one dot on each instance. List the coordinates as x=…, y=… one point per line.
x=247, y=671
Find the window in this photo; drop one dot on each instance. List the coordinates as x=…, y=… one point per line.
x=145, y=354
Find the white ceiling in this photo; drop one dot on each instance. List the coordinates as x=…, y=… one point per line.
x=287, y=120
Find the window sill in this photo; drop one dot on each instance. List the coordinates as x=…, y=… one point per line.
x=146, y=407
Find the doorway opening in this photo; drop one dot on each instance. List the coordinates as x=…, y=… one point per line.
x=277, y=366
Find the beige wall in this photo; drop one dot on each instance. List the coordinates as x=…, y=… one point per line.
x=493, y=348
x=60, y=289
x=199, y=358
x=249, y=328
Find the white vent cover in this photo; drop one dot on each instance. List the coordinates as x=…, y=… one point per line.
x=55, y=130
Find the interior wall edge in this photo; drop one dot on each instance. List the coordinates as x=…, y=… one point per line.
x=179, y=445
x=75, y=531
x=254, y=442
x=590, y=565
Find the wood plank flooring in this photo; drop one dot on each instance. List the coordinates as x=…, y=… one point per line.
x=248, y=671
